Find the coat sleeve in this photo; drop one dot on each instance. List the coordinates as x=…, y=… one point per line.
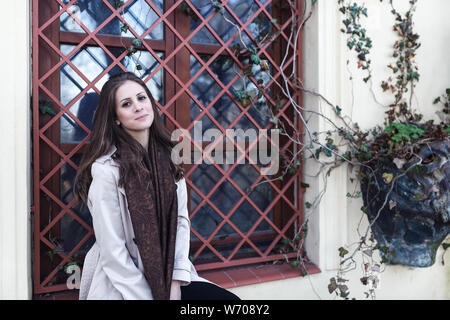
x=110, y=236
x=182, y=264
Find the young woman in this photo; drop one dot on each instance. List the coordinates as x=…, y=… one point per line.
x=138, y=201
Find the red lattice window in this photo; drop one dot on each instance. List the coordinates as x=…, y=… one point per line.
x=186, y=54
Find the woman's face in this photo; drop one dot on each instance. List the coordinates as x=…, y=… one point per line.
x=133, y=108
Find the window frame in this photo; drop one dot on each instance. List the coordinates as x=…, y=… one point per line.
x=182, y=69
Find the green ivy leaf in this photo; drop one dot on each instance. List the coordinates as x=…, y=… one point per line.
x=131, y=51
x=245, y=102
x=347, y=155
x=419, y=196
x=253, y=49
x=118, y=3
x=46, y=107
x=248, y=71
x=124, y=28
x=239, y=93
x=255, y=59
x=332, y=286
x=342, y=252
x=136, y=42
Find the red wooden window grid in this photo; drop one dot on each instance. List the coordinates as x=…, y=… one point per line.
x=49, y=155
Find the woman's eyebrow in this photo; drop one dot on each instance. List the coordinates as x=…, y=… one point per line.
x=130, y=98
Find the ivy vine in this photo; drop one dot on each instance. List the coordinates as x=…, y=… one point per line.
x=357, y=40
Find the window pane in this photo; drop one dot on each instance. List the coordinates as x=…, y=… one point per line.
x=224, y=27
x=206, y=219
x=259, y=112
x=92, y=61
x=224, y=111
x=138, y=15
x=206, y=89
x=72, y=232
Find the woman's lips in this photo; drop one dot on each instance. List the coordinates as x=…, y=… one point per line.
x=142, y=117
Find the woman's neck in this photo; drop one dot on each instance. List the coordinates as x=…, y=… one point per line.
x=141, y=137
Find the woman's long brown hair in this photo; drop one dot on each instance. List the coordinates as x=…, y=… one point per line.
x=105, y=134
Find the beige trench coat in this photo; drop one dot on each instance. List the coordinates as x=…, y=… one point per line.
x=113, y=267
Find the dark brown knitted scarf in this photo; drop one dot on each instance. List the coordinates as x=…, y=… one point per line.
x=153, y=205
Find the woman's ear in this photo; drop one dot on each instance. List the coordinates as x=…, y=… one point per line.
x=117, y=122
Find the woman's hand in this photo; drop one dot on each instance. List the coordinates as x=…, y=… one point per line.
x=175, y=290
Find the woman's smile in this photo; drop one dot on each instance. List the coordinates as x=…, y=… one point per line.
x=142, y=117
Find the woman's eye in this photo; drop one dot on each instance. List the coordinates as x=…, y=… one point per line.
x=126, y=104
x=142, y=97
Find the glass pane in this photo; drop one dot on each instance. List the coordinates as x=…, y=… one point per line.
x=262, y=195
x=206, y=89
x=205, y=177
x=138, y=15
x=224, y=110
x=72, y=232
x=244, y=10
x=92, y=61
x=259, y=112
x=206, y=220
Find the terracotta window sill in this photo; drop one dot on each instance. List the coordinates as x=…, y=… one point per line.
x=242, y=276
x=228, y=278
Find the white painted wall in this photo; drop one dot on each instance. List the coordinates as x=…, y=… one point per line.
x=334, y=222
x=15, y=149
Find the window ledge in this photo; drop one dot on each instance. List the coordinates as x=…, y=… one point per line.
x=226, y=278
x=247, y=275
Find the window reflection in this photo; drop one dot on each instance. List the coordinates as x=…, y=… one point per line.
x=223, y=25
x=138, y=15
x=206, y=219
x=71, y=231
x=92, y=61
x=224, y=110
x=206, y=89
x=225, y=197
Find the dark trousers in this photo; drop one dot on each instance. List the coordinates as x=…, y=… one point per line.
x=198, y=290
